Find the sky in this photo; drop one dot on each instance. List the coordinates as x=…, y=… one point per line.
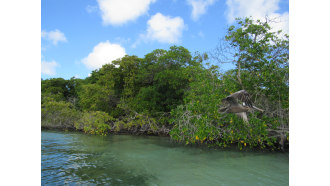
x=78, y=37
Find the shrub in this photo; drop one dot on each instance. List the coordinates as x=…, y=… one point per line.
x=94, y=122
x=58, y=114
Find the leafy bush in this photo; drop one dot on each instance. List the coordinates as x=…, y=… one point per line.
x=137, y=123
x=198, y=120
x=58, y=114
x=94, y=122
x=253, y=134
x=220, y=129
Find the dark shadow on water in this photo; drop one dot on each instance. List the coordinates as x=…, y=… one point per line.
x=96, y=172
x=91, y=169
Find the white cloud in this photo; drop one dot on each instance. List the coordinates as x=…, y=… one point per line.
x=258, y=9
x=117, y=12
x=103, y=53
x=255, y=8
x=199, y=7
x=54, y=36
x=281, y=22
x=48, y=68
x=164, y=29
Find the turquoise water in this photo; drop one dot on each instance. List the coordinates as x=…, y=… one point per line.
x=78, y=159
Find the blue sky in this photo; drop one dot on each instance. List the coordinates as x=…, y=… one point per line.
x=79, y=36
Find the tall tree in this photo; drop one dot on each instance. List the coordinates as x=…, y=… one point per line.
x=262, y=62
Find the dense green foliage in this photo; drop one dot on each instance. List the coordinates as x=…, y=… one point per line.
x=172, y=92
x=58, y=114
x=94, y=122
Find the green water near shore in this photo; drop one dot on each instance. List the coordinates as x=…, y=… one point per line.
x=79, y=159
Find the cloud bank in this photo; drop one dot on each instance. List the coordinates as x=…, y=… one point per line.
x=48, y=68
x=117, y=12
x=258, y=9
x=163, y=29
x=103, y=53
x=199, y=7
x=54, y=36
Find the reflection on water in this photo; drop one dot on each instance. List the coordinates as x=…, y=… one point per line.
x=79, y=159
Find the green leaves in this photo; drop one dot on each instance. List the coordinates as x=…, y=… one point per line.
x=95, y=122
x=58, y=114
x=97, y=98
x=263, y=58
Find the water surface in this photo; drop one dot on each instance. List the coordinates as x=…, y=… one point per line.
x=79, y=159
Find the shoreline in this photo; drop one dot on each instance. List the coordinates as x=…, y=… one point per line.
x=232, y=146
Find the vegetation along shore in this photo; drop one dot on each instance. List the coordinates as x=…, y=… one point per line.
x=178, y=94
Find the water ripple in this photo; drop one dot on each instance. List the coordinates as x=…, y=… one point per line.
x=79, y=159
